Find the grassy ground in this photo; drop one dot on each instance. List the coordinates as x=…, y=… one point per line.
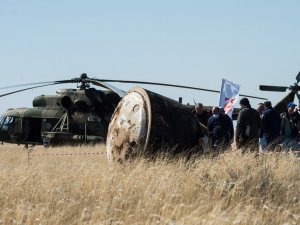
x=67, y=185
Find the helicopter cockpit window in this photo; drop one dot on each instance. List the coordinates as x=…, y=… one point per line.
x=1, y=120
x=6, y=122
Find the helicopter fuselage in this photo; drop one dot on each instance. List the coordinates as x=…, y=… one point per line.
x=73, y=115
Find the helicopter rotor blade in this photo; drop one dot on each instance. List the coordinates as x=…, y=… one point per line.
x=74, y=80
x=272, y=88
x=105, y=85
x=171, y=85
x=102, y=83
x=25, y=89
x=155, y=83
x=38, y=83
x=43, y=84
x=254, y=97
x=23, y=85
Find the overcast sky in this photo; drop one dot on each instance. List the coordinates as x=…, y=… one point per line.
x=193, y=43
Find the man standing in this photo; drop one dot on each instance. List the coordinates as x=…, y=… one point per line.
x=229, y=124
x=297, y=116
x=247, y=127
x=271, y=125
x=289, y=129
x=201, y=114
x=218, y=128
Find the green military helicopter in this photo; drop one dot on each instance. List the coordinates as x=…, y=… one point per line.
x=80, y=115
x=72, y=115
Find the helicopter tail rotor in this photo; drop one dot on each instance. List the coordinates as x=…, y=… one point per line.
x=298, y=78
x=294, y=89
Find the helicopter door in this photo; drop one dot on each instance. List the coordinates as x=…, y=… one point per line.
x=32, y=128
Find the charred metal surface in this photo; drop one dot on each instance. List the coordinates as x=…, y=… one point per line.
x=128, y=128
x=145, y=121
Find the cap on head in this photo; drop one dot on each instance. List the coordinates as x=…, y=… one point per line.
x=244, y=101
x=291, y=104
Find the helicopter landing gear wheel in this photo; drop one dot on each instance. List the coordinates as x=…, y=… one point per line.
x=46, y=143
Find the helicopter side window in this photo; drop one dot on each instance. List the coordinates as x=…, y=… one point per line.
x=6, y=123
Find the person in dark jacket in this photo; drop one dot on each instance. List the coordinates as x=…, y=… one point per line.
x=201, y=114
x=297, y=117
x=271, y=125
x=289, y=130
x=247, y=127
x=229, y=124
x=218, y=128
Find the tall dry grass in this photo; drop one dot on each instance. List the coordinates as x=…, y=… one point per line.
x=85, y=189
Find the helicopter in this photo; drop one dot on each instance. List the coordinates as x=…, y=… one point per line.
x=72, y=115
x=80, y=115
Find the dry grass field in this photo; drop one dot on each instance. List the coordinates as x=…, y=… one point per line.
x=56, y=187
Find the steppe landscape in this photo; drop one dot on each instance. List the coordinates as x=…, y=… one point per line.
x=77, y=185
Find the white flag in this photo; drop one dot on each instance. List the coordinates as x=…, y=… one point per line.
x=229, y=96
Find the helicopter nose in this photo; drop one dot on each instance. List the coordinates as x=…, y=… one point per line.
x=5, y=137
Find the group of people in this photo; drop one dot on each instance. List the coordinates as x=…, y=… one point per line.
x=219, y=126
x=260, y=129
